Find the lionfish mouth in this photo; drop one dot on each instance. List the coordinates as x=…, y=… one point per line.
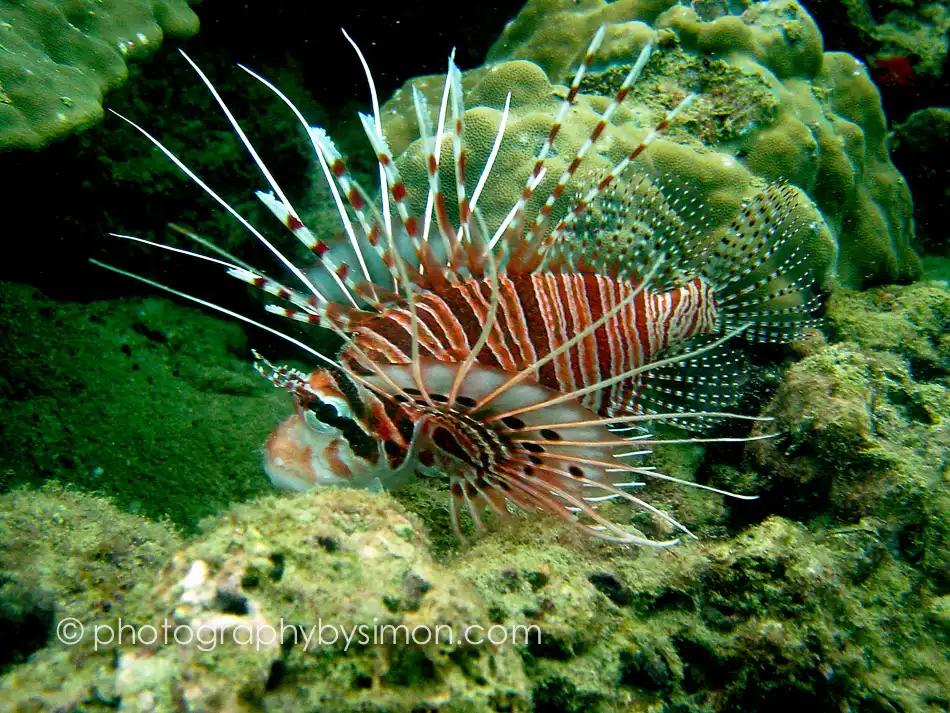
x=512, y=359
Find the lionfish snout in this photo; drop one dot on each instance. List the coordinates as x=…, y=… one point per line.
x=325, y=442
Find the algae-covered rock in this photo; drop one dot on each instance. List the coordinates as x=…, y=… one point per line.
x=328, y=601
x=830, y=450
x=66, y=554
x=913, y=322
x=770, y=106
x=747, y=623
x=352, y=563
x=831, y=618
x=861, y=425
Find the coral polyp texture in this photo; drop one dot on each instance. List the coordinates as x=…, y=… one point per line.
x=770, y=106
x=58, y=59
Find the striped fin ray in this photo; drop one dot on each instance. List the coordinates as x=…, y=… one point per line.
x=457, y=105
x=517, y=222
x=562, y=229
x=387, y=390
x=433, y=147
x=279, y=204
x=315, y=308
x=328, y=157
x=539, y=227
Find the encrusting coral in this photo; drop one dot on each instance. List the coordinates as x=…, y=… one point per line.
x=59, y=58
x=272, y=593
x=771, y=106
x=863, y=434
x=65, y=553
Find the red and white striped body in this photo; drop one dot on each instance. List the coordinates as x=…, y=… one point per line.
x=538, y=313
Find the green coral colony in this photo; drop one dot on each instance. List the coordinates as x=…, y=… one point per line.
x=59, y=58
x=841, y=602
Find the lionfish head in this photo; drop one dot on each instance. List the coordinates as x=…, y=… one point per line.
x=496, y=444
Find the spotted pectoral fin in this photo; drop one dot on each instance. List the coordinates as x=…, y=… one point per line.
x=646, y=228
x=712, y=382
x=764, y=267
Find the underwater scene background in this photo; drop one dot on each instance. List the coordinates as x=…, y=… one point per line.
x=132, y=425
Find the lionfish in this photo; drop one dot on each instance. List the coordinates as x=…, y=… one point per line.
x=524, y=361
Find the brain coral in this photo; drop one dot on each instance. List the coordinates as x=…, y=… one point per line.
x=771, y=106
x=58, y=57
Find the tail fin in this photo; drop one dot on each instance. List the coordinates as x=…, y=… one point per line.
x=763, y=270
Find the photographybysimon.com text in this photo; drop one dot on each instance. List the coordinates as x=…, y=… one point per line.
x=262, y=635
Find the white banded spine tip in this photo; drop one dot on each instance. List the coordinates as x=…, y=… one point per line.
x=376, y=138
x=597, y=40
x=297, y=316
x=324, y=144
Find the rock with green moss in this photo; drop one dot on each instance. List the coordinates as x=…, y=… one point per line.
x=59, y=58
x=66, y=554
x=329, y=601
x=738, y=624
x=770, y=106
x=861, y=425
x=831, y=616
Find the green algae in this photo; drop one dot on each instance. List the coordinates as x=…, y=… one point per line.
x=147, y=402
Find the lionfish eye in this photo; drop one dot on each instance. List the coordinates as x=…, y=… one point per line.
x=319, y=415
